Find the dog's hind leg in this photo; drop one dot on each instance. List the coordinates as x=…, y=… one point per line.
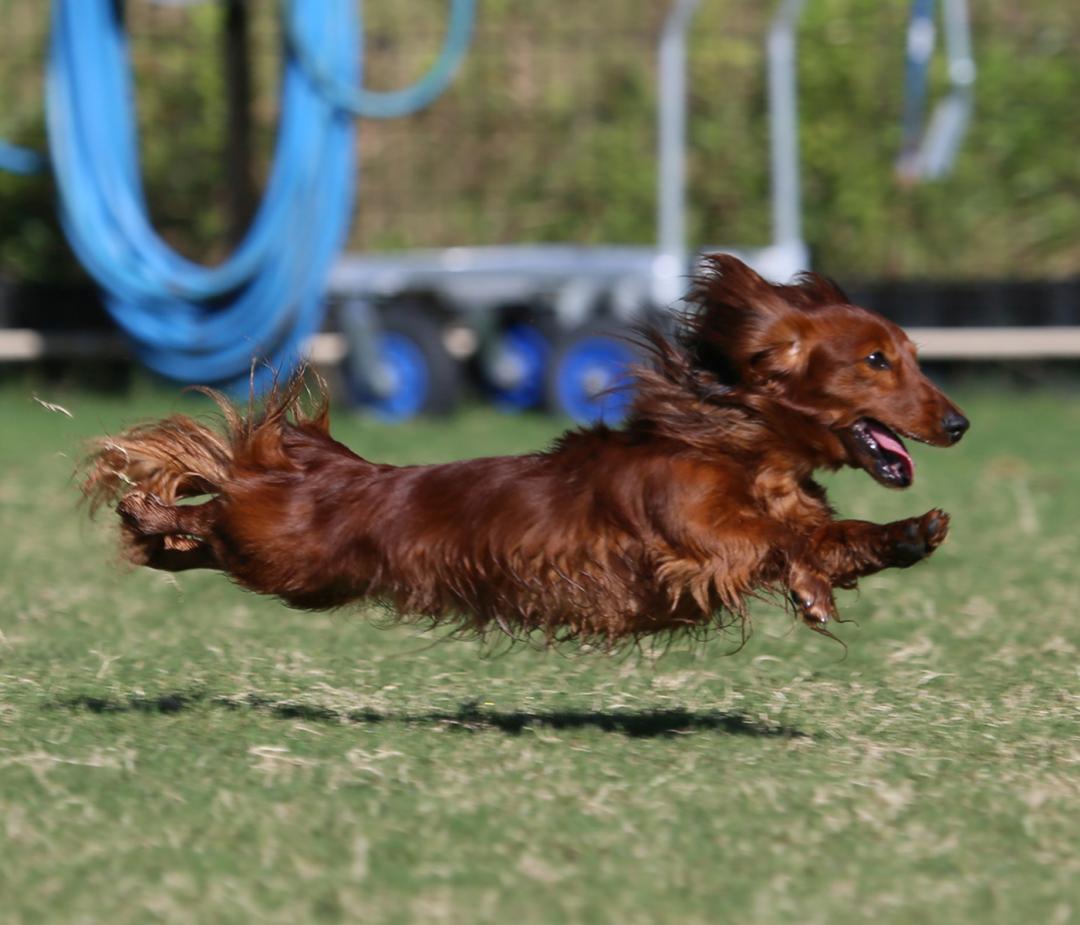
x=173, y=538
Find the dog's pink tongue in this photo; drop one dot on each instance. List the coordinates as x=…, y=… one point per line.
x=887, y=440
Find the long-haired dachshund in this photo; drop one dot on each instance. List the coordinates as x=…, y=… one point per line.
x=701, y=499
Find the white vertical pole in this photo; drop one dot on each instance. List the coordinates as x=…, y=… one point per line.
x=784, y=126
x=671, y=263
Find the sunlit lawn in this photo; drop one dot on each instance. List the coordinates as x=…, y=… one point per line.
x=174, y=749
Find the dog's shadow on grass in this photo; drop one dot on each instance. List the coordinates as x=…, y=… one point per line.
x=469, y=717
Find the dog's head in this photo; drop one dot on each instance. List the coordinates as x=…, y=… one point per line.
x=841, y=367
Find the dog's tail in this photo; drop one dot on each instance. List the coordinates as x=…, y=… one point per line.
x=181, y=457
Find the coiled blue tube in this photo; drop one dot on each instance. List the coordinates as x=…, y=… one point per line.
x=189, y=322
x=375, y=104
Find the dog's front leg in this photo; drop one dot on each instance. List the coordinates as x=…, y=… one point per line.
x=846, y=550
x=811, y=592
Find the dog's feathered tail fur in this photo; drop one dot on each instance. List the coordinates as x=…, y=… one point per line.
x=180, y=457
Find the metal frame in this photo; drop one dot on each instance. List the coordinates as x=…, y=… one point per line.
x=25, y=345
x=575, y=281
x=474, y=281
x=929, y=151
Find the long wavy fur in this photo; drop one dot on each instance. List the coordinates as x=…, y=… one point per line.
x=671, y=523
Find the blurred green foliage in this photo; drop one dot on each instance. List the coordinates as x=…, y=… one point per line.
x=549, y=133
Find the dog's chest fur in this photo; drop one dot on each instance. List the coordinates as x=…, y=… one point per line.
x=787, y=498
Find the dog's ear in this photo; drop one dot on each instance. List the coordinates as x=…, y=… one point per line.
x=812, y=290
x=742, y=327
x=778, y=350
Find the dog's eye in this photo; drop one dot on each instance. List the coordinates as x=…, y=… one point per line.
x=877, y=360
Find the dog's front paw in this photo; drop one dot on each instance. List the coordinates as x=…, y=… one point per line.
x=915, y=538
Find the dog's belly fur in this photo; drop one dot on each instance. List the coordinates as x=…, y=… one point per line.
x=638, y=539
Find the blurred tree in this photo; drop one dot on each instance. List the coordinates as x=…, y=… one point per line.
x=549, y=133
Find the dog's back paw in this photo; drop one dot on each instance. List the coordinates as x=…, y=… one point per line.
x=146, y=514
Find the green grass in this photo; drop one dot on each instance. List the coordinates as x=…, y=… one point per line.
x=179, y=750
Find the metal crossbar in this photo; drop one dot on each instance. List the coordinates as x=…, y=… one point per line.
x=969, y=343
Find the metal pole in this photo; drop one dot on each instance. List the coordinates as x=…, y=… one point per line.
x=958, y=43
x=784, y=126
x=671, y=264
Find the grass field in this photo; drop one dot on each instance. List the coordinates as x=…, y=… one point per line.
x=181, y=751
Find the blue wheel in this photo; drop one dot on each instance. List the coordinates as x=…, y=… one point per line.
x=414, y=373
x=516, y=370
x=590, y=378
x=403, y=379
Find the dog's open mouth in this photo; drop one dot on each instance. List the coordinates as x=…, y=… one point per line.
x=881, y=452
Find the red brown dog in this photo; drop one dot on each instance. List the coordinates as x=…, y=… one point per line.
x=704, y=496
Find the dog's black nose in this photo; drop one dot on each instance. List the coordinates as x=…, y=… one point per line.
x=955, y=425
